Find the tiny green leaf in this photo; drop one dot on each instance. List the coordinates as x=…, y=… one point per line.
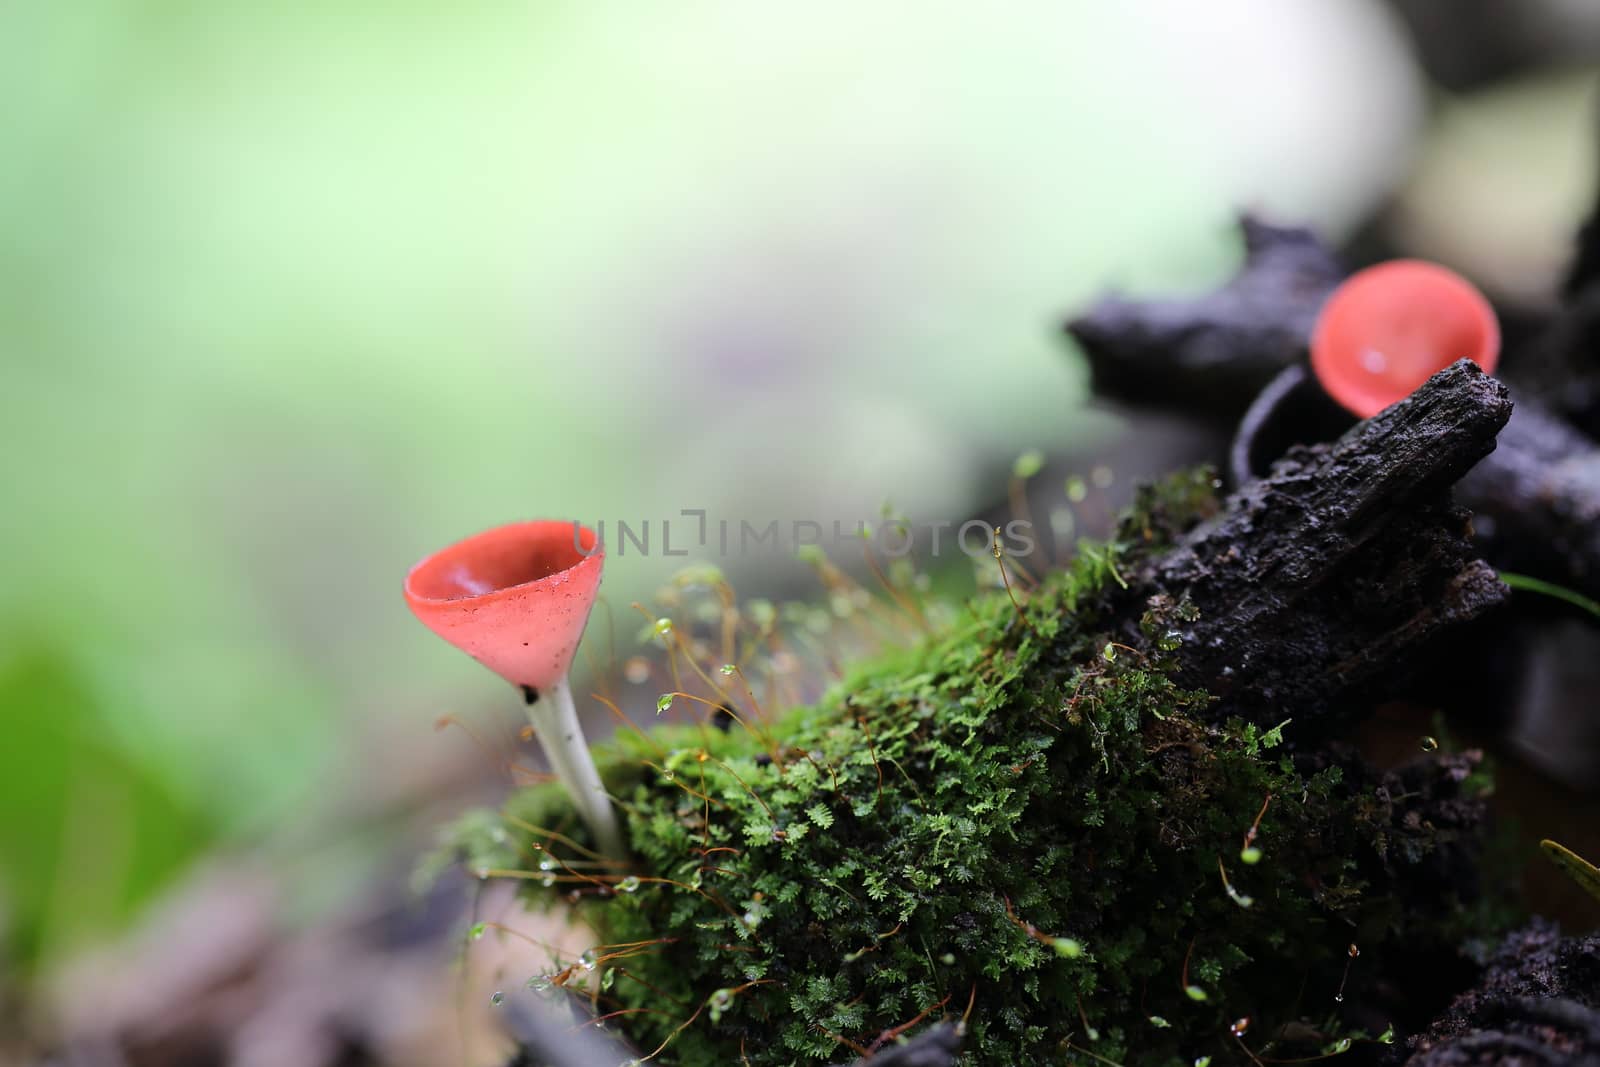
x=1577, y=868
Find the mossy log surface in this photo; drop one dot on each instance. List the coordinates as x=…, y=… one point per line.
x=1041, y=825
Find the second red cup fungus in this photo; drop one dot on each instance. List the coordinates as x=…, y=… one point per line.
x=1392, y=326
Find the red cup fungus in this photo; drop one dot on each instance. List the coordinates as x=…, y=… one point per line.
x=516, y=599
x=1392, y=326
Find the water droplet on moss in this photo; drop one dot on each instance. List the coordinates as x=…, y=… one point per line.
x=663, y=627
x=1067, y=947
x=586, y=961
x=629, y=884
x=497, y=998
x=1430, y=744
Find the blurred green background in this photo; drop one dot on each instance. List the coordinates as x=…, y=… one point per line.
x=292, y=294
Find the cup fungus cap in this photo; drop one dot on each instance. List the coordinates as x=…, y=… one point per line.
x=515, y=598
x=1392, y=326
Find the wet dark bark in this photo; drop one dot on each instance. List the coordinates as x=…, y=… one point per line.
x=1213, y=353
x=1538, y=1004
x=1538, y=496
x=1323, y=576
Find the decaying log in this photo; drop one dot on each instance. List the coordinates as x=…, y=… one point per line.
x=1213, y=353
x=1348, y=556
x=1538, y=495
x=1537, y=1004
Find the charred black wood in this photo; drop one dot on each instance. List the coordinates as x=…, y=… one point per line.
x=1325, y=574
x=1537, y=1003
x=1213, y=352
x=1538, y=500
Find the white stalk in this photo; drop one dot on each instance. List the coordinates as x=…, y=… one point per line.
x=555, y=723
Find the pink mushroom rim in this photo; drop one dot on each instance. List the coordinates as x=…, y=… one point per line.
x=516, y=597
x=1389, y=328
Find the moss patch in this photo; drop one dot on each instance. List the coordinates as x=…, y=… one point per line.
x=1021, y=822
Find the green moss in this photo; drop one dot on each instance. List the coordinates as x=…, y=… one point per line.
x=1021, y=824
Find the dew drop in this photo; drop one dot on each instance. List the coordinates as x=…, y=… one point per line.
x=497, y=998
x=1241, y=1026
x=1338, y=998
x=1430, y=744
x=586, y=961
x=629, y=884
x=477, y=931
x=1354, y=950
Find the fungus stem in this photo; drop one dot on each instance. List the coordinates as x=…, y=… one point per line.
x=555, y=722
